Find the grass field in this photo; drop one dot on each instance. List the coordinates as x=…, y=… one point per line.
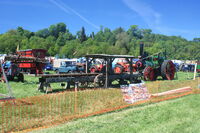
x=29, y=87
x=38, y=110
x=174, y=116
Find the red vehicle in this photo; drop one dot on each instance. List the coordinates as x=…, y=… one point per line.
x=32, y=67
x=123, y=66
x=97, y=66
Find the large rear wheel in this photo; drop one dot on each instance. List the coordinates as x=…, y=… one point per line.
x=168, y=70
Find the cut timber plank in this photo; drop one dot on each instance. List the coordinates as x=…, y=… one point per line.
x=179, y=90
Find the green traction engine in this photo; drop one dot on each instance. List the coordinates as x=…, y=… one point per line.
x=155, y=65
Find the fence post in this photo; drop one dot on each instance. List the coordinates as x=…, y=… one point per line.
x=75, y=97
x=2, y=114
x=195, y=71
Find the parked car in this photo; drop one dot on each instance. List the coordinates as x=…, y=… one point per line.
x=48, y=66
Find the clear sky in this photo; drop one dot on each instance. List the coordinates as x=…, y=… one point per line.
x=169, y=17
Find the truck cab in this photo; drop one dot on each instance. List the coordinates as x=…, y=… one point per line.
x=67, y=67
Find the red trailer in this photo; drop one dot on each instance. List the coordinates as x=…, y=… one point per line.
x=32, y=66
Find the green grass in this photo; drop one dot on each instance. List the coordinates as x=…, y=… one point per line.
x=88, y=101
x=19, y=89
x=174, y=116
x=29, y=87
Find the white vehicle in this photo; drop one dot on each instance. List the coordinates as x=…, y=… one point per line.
x=57, y=63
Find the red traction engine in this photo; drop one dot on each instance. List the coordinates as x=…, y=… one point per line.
x=32, y=67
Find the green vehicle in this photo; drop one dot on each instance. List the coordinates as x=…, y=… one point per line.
x=198, y=67
x=155, y=65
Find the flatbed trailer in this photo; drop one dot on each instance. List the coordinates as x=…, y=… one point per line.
x=97, y=79
x=103, y=79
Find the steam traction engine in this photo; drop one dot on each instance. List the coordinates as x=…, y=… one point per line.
x=150, y=66
x=155, y=65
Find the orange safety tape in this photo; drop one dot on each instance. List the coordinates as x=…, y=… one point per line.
x=109, y=110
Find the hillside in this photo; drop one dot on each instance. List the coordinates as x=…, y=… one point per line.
x=59, y=41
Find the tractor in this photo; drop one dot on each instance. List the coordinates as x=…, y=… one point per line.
x=11, y=71
x=155, y=65
x=97, y=66
x=122, y=65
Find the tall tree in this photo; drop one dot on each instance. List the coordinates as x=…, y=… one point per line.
x=81, y=35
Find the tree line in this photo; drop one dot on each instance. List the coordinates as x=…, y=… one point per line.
x=59, y=41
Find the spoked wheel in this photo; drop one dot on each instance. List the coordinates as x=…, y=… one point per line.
x=168, y=70
x=139, y=64
x=118, y=69
x=99, y=80
x=149, y=73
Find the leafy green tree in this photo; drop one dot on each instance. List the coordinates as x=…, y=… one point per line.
x=60, y=41
x=43, y=33
x=9, y=42
x=134, y=31
x=123, y=42
x=57, y=39
x=55, y=29
x=68, y=36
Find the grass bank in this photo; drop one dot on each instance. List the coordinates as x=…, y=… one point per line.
x=174, y=116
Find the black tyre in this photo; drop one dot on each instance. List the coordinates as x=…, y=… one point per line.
x=57, y=72
x=20, y=77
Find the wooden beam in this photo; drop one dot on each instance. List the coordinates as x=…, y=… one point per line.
x=131, y=70
x=107, y=74
x=87, y=65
